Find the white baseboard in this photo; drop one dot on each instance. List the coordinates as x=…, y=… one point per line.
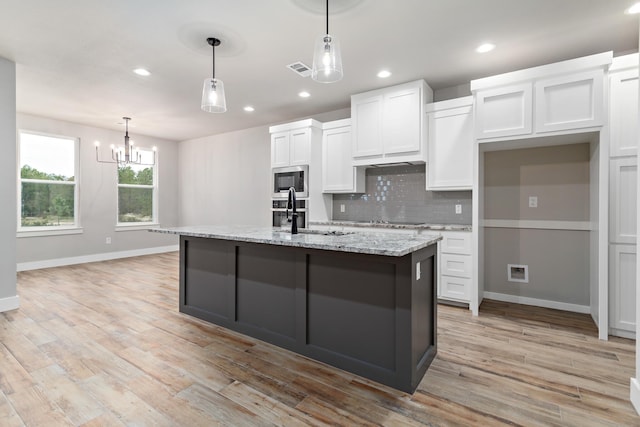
x=634, y=394
x=538, y=302
x=10, y=303
x=621, y=333
x=59, y=262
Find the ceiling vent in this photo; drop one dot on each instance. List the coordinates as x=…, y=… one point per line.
x=300, y=69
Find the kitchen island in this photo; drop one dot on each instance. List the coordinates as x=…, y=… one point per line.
x=363, y=302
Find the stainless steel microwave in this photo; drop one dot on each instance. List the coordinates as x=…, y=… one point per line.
x=293, y=176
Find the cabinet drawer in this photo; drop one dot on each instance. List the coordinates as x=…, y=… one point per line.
x=456, y=242
x=455, y=265
x=457, y=288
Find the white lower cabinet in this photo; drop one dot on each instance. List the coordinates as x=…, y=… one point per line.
x=622, y=290
x=455, y=269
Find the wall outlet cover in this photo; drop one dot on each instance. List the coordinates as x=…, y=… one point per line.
x=458, y=209
x=533, y=201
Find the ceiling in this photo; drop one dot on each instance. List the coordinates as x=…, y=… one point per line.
x=75, y=57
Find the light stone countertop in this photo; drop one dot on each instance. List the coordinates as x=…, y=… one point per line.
x=394, y=226
x=364, y=242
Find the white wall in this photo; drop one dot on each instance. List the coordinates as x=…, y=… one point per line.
x=8, y=294
x=98, y=199
x=225, y=179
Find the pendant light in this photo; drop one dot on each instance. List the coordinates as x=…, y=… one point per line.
x=327, y=61
x=213, y=100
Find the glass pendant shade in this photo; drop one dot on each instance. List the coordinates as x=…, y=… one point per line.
x=213, y=99
x=327, y=60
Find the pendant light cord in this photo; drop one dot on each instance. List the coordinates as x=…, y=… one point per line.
x=327, y=16
x=213, y=49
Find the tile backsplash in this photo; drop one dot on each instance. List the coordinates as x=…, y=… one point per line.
x=397, y=194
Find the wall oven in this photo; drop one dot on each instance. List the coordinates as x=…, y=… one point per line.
x=293, y=176
x=279, y=213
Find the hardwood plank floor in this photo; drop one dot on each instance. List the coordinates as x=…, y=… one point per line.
x=104, y=344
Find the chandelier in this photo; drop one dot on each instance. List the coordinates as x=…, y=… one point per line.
x=126, y=155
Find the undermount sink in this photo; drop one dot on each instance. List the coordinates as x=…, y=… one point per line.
x=322, y=232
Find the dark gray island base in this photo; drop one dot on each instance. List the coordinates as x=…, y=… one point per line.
x=367, y=314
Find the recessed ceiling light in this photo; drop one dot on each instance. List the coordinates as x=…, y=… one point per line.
x=384, y=74
x=142, y=72
x=249, y=109
x=485, y=47
x=633, y=9
x=304, y=94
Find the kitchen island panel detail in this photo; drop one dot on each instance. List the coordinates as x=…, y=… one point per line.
x=367, y=314
x=351, y=308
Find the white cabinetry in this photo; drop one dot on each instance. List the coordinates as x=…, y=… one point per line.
x=622, y=290
x=504, y=111
x=291, y=142
x=623, y=186
x=623, y=194
x=388, y=124
x=450, y=144
x=455, y=267
x=338, y=174
x=560, y=97
x=570, y=102
x=623, y=112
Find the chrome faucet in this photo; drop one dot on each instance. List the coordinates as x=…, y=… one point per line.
x=291, y=204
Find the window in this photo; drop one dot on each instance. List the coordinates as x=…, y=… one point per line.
x=137, y=191
x=48, y=186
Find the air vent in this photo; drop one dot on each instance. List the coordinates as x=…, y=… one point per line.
x=300, y=69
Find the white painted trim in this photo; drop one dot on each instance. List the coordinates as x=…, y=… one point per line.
x=543, y=225
x=634, y=394
x=59, y=262
x=600, y=60
x=132, y=226
x=622, y=333
x=538, y=302
x=10, y=303
x=48, y=231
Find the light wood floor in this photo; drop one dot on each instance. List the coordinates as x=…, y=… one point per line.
x=104, y=344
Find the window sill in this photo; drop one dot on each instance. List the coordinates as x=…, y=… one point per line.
x=136, y=226
x=42, y=232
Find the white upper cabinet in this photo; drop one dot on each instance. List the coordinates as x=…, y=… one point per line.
x=291, y=143
x=570, y=102
x=450, y=144
x=338, y=174
x=504, y=111
x=402, y=121
x=388, y=124
x=623, y=110
x=366, y=116
x=555, y=98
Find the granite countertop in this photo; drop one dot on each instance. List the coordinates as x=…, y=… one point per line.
x=364, y=242
x=398, y=226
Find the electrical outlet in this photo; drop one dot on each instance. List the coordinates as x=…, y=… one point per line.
x=533, y=201
x=458, y=209
x=108, y=241
x=418, y=270
x=342, y=207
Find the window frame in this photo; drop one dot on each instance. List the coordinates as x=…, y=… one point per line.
x=132, y=226
x=48, y=230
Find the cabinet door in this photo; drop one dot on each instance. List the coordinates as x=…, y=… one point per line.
x=450, y=145
x=366, y=119
x=402, y=124
x=337, y=172
x=299, y=147
x=624, y=114
x=570, y=102
x=505, y=111
x=622, y=287
x=623, y=195
x=455, y=288
x=279, y=149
